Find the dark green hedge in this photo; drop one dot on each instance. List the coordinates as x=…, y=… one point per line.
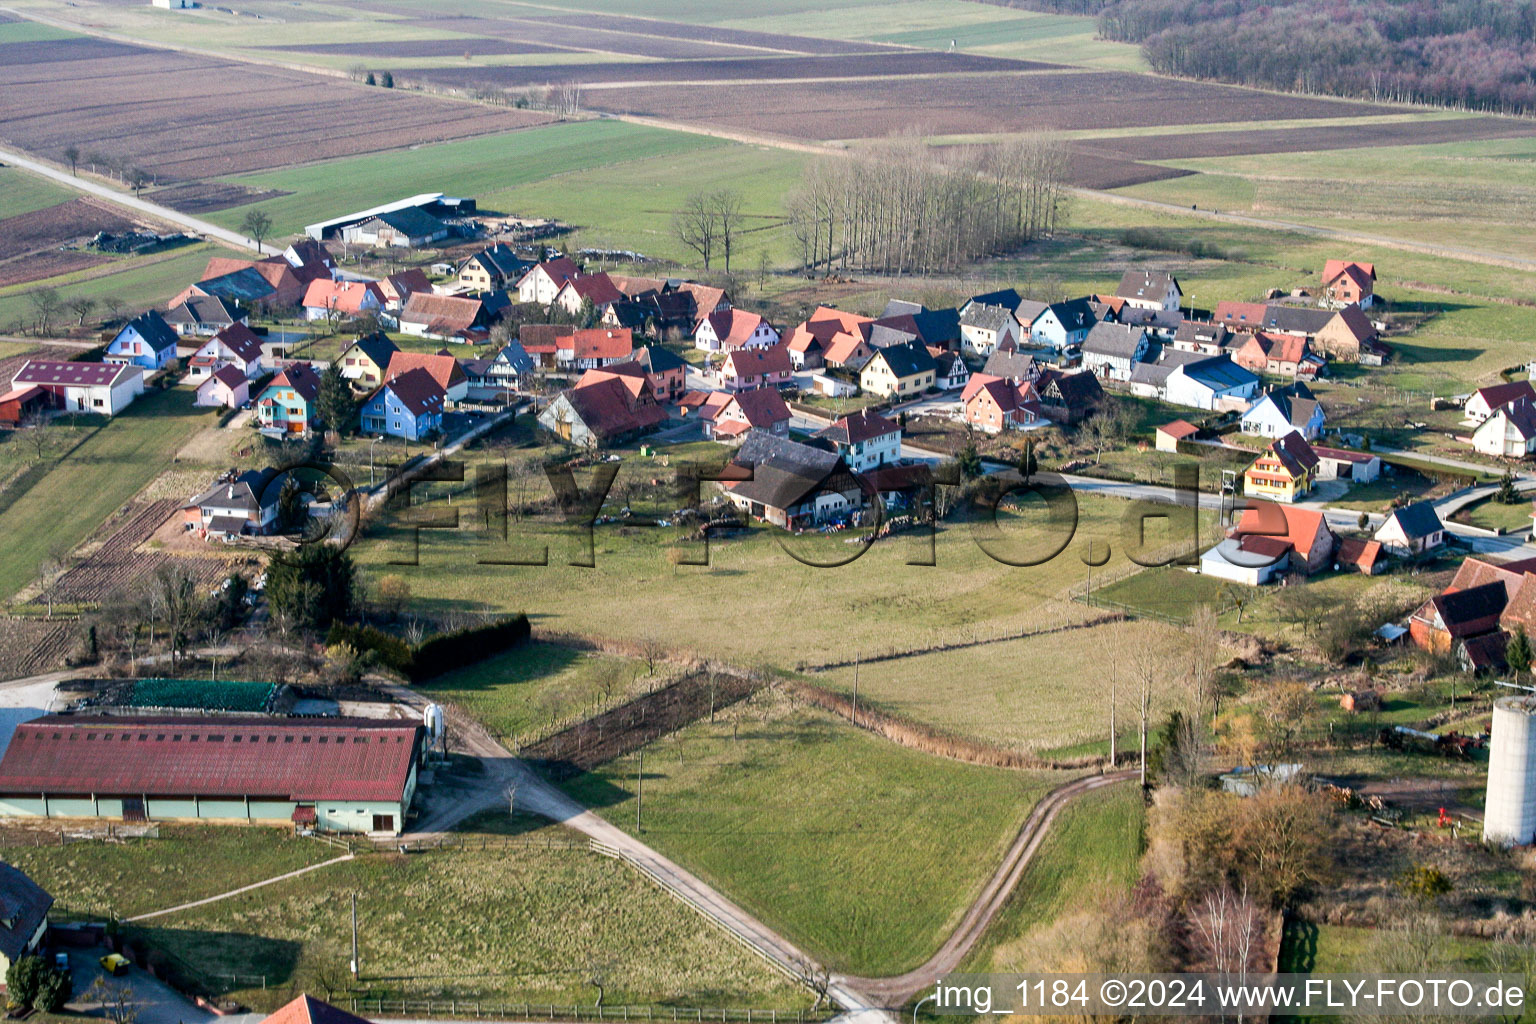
x=448, y=651
x=435, y=655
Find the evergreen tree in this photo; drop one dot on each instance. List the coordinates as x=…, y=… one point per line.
x=291, y=512
x=370, y=80
x=969, y=461
x=1517, y=654
x=335, y=402
x=311, y=587
x=1029, y=465
x=1507, y=494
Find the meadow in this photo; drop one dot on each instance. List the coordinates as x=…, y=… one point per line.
x=95, y=480
x=537, y=688
x=506, y=924
x=188, y=862
x=754, y=594
x=140, y=282
x=21, y=192
x=1038, y=694
x=1093, y=848
x=863, y=852
x=494, y=169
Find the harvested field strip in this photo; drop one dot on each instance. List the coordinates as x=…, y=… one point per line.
x=114, y=103
x=1296, y=140
x=561, y=37
x=965, y=104
x=639, y=722
x=40, y=266
x=201, y=197
x=423, y=48
x=712, y=34
x=755, y=69
x=118, y=563
x=53, y=226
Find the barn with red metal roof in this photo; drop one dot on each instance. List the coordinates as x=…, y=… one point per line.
x=336, y=774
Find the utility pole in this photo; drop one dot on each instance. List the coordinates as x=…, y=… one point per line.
x=1113, y=679
x=1146, y=701
x=639, y=790
x=354, y=937
x=855, y=689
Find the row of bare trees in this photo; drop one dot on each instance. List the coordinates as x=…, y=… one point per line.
x=905, y=207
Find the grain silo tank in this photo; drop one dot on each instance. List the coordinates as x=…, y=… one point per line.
x=432, y=718
x=1509, y=812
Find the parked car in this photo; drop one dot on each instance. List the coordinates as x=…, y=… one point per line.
x=115, y=964
x=61, y=960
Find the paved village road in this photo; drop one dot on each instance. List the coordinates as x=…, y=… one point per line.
x=112, y=195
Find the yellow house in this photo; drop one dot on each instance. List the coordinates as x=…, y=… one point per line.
x=1284, y=472
x=900, y=370
x=365, y=361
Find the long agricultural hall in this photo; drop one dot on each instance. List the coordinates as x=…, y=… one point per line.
x=332, y=774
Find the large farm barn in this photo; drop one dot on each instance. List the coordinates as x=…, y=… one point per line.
x=337, y=775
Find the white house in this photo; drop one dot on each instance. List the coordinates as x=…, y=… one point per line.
x=543, y=281
x=1215, y=384
x=1113, y=350
x=236, y=345
x=1341, y=464
x=865, y=440
x=1279, y=412
x=1485, y=400
x=1150, y=289
x=226, y=387
x=1244, y=560
x=734, y=328
x=1411, y=530
x=1509, y=432
x=985, y=328
x=103, y=388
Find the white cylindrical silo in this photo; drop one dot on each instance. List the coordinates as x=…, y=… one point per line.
x=1509, y=812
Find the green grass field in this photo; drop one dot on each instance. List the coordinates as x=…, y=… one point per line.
x=1020, y=694
x=187, y=863
x=863, y=852
x=755, y=594
x=1094, y=845
x=1475, y=194
x=536, y=688
x=495, y=169
x=1491, y=515
x=95, y=480
x=506, y=924
x=21, y=192
x=140, y=282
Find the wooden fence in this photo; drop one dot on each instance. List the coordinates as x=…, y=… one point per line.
x=435, y=1008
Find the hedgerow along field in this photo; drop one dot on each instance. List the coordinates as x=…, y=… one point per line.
x=862, y=852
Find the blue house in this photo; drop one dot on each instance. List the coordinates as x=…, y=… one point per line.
x=1058, y=324
x=146, y=341
x=409, y=405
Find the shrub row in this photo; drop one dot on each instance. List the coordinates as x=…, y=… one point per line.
x=437, y=654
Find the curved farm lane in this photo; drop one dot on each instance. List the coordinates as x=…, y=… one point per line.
x=504, y=771
x=155, y=210
x=896, y=991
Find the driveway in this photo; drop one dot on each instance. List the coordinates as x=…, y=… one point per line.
x=155, y=1001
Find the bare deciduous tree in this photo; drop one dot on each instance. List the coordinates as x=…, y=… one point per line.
x=46, y=304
